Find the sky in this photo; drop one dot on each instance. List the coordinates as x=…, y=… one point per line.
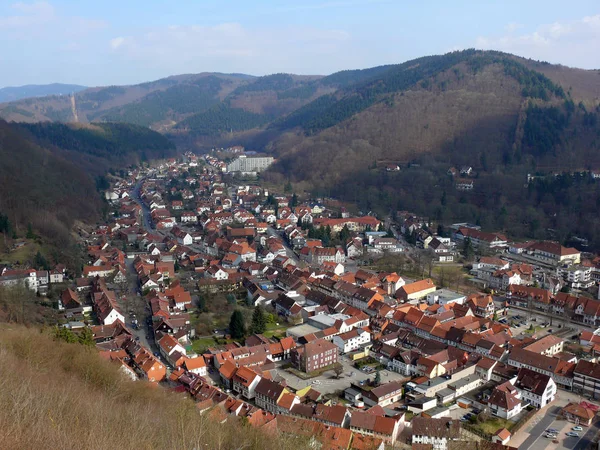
x=106, y=42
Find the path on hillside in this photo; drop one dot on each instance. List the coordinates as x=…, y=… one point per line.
x=74, y=108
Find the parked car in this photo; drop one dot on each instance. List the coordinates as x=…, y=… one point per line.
x=551, y=430
x=572, y=434
x=577, y=428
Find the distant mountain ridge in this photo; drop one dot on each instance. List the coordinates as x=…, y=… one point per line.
x=14, y=93
x=203, y=105
x=332, y=135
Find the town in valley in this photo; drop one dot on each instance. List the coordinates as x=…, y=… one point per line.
x=355, y=331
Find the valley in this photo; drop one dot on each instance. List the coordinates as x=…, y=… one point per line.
x=375, y=258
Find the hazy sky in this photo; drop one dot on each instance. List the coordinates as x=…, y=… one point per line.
x=102, y=42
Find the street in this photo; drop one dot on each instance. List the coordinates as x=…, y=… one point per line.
x=132, y=303
x=136, y=196
x=289, y=252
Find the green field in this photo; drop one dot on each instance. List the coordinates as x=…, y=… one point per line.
x=276, y=331
x=491, y=426
x=200, y=345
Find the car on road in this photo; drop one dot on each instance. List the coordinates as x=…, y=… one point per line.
x=572, y=434
x=157, y=354
x=137, y=338
x=577, y=428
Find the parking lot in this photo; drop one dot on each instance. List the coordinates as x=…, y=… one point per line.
x=327, y=383
x=520, y=323
x=538, y=441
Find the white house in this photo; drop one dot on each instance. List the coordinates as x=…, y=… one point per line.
x=537, y=389
x=445, y=296
x=505, y=401
x=112, y=317
x=196, y=365
x=169, y=345
x=189, y=217
x=352, y=340
x=216, y=273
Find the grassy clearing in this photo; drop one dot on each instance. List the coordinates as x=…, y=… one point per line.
x=21, y=254
x=276, y=331
x=491, y=426
x=200, y=345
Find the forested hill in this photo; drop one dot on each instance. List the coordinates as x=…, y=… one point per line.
x=203, y=107
x=42, y=191
x=98, y=147
x=50, y=173
x=488, y=110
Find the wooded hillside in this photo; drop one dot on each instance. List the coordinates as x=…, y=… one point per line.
x=43, y=189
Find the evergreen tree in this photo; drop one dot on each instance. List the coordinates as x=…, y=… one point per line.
x=237, y=327
x=30, y=233
x=344, y=235
x=294, y=201
x=440, y=230
x=259, y=322
x=40, y=262
x=86, y=337
x=231, y=299
x=468, y=250
x=202, y=303
x=65, y=334
x=5, y=226
x=377, y=380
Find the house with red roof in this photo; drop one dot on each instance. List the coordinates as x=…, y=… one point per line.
x=245, y=381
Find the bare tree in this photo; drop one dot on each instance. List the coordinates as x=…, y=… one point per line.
x=339, y=370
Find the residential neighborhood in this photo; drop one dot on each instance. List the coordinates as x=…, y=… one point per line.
x=329, y=340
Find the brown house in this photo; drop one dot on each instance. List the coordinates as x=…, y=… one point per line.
x=315, y=355
x=580, y=413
